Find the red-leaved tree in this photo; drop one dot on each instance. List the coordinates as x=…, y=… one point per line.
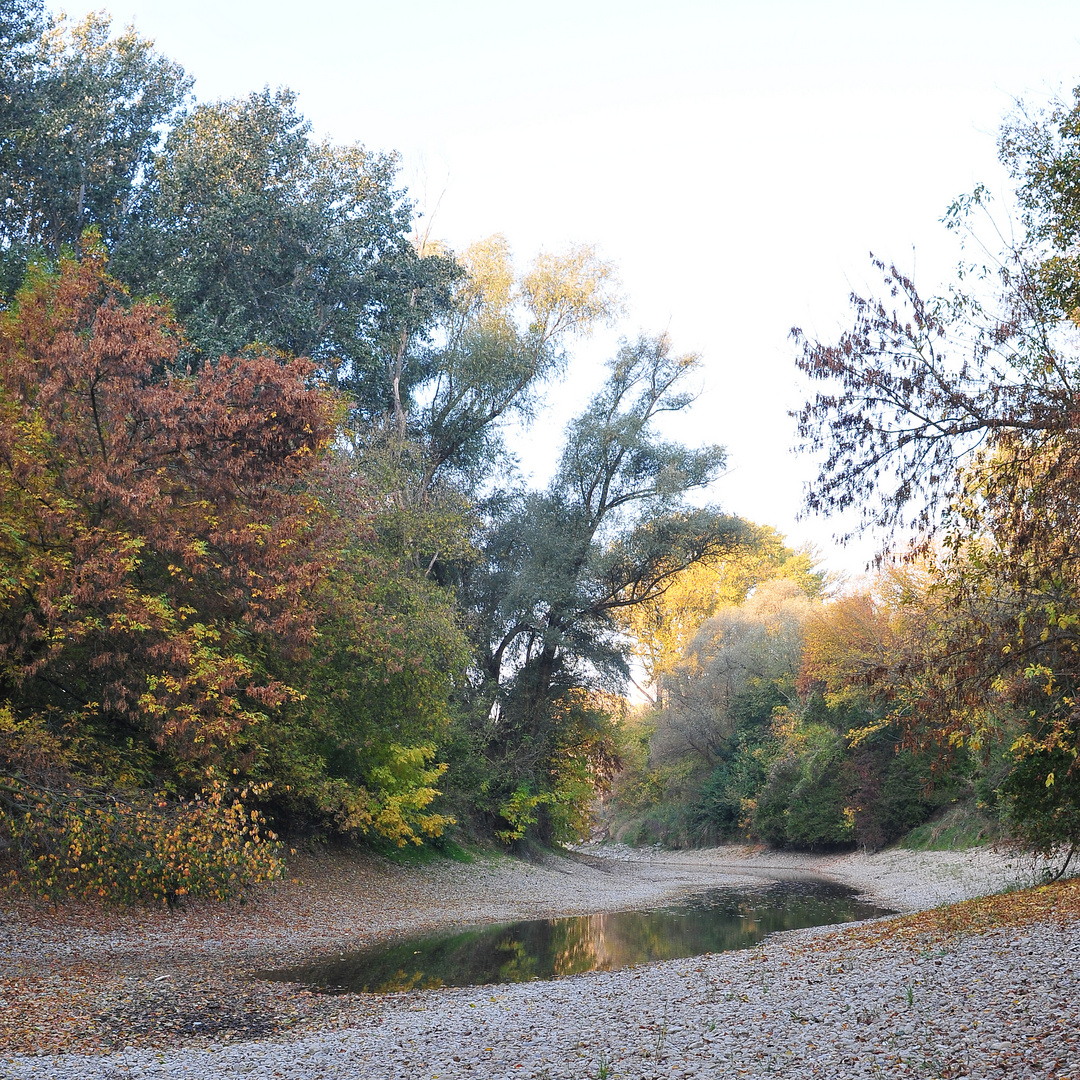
x=161, y=540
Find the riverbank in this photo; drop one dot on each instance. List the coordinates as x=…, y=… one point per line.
x=170, y=994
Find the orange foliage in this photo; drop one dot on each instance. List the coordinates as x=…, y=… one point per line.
x=156, y=525
x=1059, y=902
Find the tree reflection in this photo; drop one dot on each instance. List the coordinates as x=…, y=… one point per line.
x=714, y=921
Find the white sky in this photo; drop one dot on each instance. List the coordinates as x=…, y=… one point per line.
x=737, y=160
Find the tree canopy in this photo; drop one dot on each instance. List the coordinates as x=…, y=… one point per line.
x=956, y=416
x=264, y=558
x=82, y=116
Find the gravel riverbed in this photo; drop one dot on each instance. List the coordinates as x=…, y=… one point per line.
x=863, y=1001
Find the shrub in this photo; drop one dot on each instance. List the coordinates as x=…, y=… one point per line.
x=1041, y=797
x=807, y=798
x=73, y=844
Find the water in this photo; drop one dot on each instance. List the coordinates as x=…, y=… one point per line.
x=712, y=921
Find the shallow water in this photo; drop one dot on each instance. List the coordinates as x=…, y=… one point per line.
x=712, y=921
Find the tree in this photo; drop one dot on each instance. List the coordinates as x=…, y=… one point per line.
x=557, y=567
x=749, y=651
x=868, y=667
x=438, y=442
x=161, y=546
x=984, y=448
x=913, y=390
x=364, y=748
x=82, y=115
x=779, y=724
x=664, y=627
x=20, y=27
x=135, y=504
x=506, y=336
x=256, y=233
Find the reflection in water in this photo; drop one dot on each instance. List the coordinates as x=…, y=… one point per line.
x=712, y=921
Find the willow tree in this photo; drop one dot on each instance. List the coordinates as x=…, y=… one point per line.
x=557, y=568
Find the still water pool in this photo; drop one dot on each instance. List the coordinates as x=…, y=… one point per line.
x=711, y=921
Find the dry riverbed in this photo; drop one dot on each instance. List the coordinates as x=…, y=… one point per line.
x=170, y=994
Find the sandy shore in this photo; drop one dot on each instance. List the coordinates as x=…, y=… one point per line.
x=180, y=982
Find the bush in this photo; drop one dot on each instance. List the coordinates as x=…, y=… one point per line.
x=1041, y=797
x=75, y=845
x=807, y=800
x=721, y=809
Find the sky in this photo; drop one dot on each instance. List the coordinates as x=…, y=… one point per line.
x=738, y=162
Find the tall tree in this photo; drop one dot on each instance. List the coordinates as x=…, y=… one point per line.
x=557, y=568
x=437, y=446
x=506, y=336
x=21, y=23
x=82, y=115
x=665, y=626
x=257, y=233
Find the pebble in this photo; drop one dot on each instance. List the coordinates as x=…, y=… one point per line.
x=804, y=1004
x=995, y=1007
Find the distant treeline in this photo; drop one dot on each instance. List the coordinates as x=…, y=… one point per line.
x=760, y=733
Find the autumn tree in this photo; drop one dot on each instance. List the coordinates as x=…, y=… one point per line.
x=958, y=414
x=749, y=650
x=784, y=718
x=161, y=542
x=665, y=626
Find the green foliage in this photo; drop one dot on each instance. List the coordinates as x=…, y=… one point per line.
x=359, y=750
x=957, y=827
x=557, y=568
x=807, y=799
x=256, y=233
x=300, y=573
x=1041, y=800
x=519, y=811
x=759, y=736
x=81, y=117
x=723, y=808
x=891, y=794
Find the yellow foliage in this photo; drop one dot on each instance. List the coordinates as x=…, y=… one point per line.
x=77, y=845
x=401, y=788
x=665, y=627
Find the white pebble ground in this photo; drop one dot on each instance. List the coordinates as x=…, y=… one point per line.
x=1000, y=1004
